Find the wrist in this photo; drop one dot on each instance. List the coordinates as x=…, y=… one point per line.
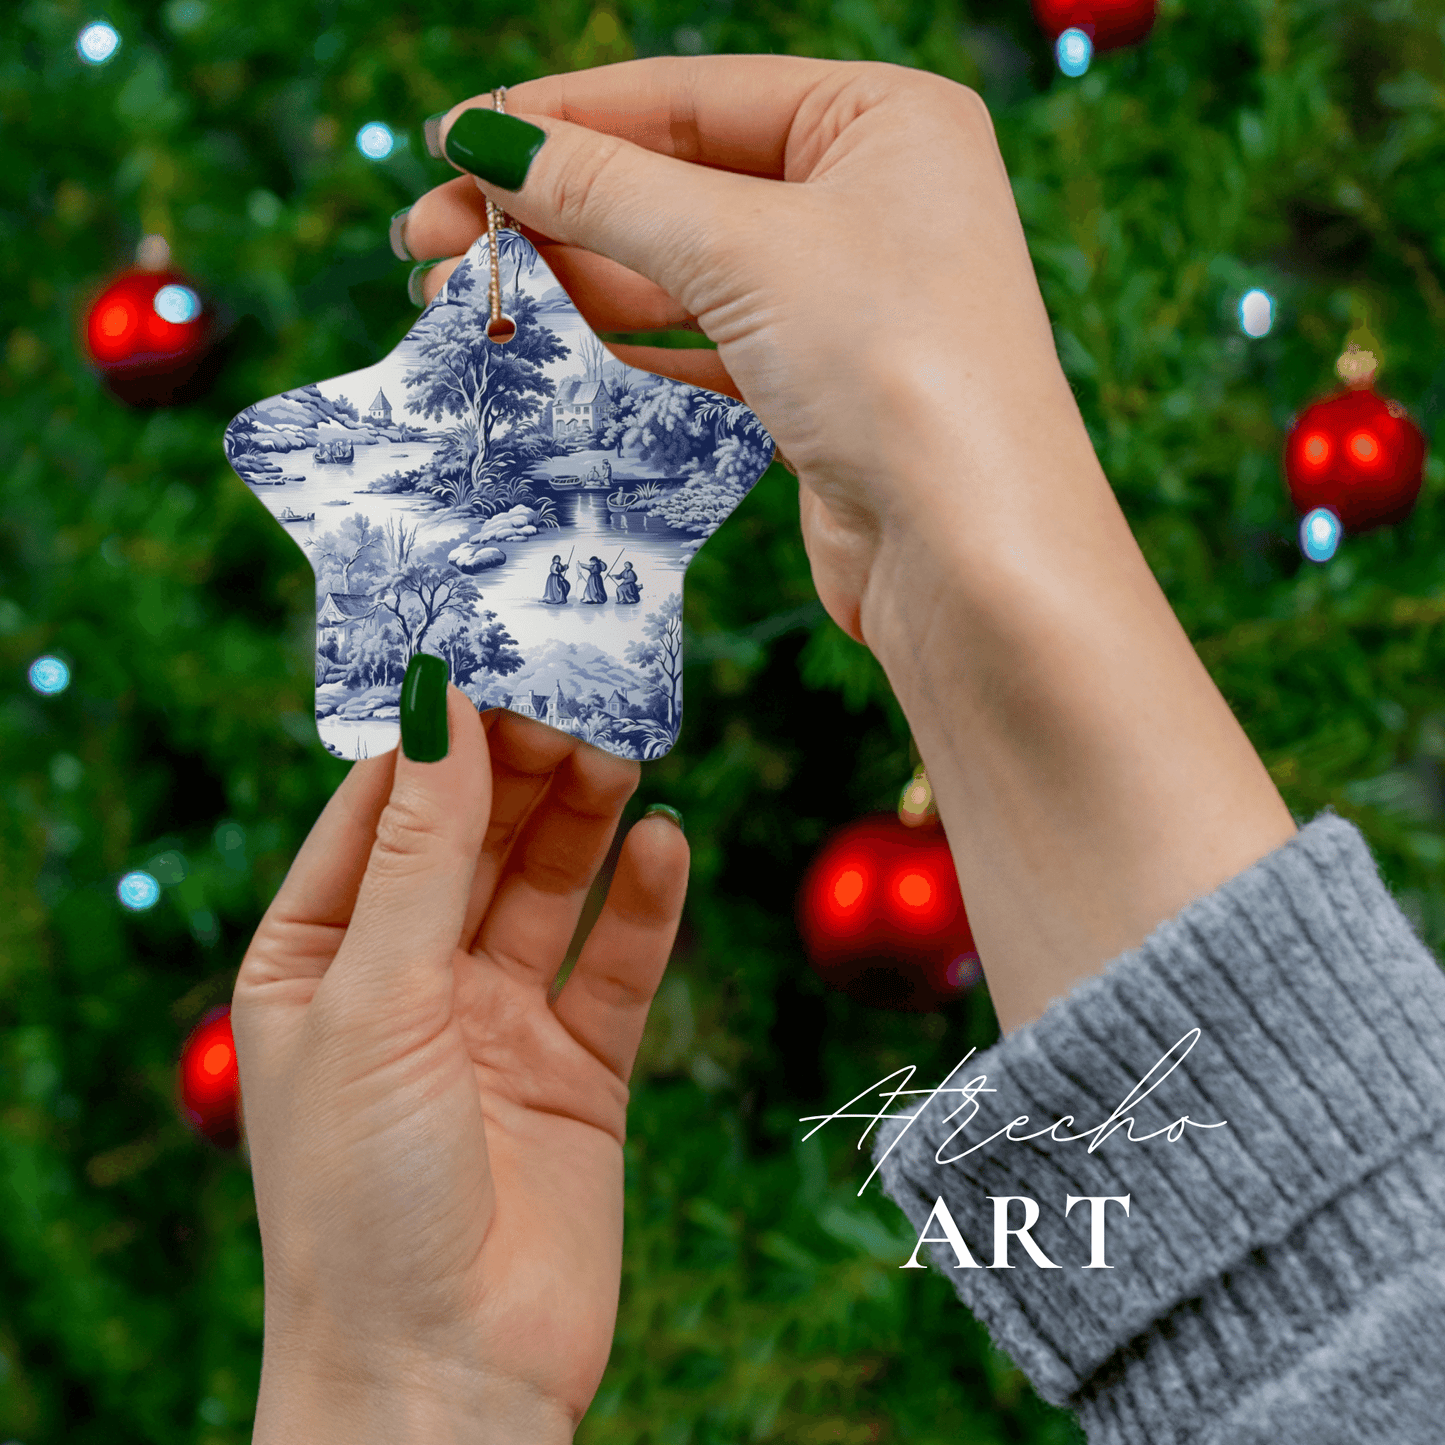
x=1090, y=775
x=980, y=509
x=304, y=1397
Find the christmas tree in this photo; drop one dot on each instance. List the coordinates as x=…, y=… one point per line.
x=1244, y=145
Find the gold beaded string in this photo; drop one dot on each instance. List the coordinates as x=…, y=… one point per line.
x=500, y=329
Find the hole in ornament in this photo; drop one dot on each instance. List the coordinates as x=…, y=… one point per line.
x=502, y=330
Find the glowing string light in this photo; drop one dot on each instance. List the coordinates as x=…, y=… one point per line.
x=138, y=891
x=1256, y=313
x=1319, y=534
x=49, y=675
x=375, y=141
x=97, y=43
x=1073, y=50
x=177, y=304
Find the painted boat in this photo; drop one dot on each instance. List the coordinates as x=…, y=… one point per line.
x=267, y=481
x=287, y=515
x=556, y=482
x=292, y=478
x=620, y=501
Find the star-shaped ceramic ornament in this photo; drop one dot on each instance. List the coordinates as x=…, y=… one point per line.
x=525, y=511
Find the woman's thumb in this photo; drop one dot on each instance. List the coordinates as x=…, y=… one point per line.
x=656, y=215
x=407, y=922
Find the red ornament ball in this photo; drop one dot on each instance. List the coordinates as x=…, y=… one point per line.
x=209, y=1083
x=882, y=917
x=1109, y=24
x=150, y=334
x=1357, y=454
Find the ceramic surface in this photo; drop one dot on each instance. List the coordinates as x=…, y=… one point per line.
x=526, y=512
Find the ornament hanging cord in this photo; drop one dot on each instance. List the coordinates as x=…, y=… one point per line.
x=500, y=329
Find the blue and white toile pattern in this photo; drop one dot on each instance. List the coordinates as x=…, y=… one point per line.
x=525, y=512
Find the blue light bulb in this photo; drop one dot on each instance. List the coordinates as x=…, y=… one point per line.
x=1073, y=50
x=138, y=891
x=49, y=675
x=1319, y=534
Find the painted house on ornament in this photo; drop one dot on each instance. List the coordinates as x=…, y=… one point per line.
x=555, y=709
x=558, y=710
x=339, y=616
x=380, y=412
x=529, y=704
x=581, y=409
x=561, y=709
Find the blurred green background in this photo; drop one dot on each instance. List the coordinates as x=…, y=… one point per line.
x=1294, y=146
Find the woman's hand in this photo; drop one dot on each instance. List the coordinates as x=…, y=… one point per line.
x=879, y=312
x=847, y=234
x=437, y=1147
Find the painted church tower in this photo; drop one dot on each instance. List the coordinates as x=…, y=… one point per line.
x=380, y=412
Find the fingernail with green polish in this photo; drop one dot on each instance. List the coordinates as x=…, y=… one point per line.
x=671, y=814
x=431, y=129
x=415, y=294
x=396, y=234
x=424, y=709
x=498, y=148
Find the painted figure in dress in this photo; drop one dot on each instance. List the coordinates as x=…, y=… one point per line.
x=558, y=586
x=594, y=591
x=629, y=589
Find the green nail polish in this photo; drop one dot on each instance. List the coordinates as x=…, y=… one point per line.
x=414, y=293
x=671, y=814
x=424, y=709
x=431, y=129
x=396, y=234
x=498, y=148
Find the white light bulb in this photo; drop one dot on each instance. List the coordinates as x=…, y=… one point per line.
x=375, y=140
x=97, y=43
x=177, y=304
x=1256, y=313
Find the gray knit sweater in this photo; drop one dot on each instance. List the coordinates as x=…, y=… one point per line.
x=1280, y=1279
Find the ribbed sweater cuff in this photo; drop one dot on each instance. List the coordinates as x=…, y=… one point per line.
x=1315, y=1001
